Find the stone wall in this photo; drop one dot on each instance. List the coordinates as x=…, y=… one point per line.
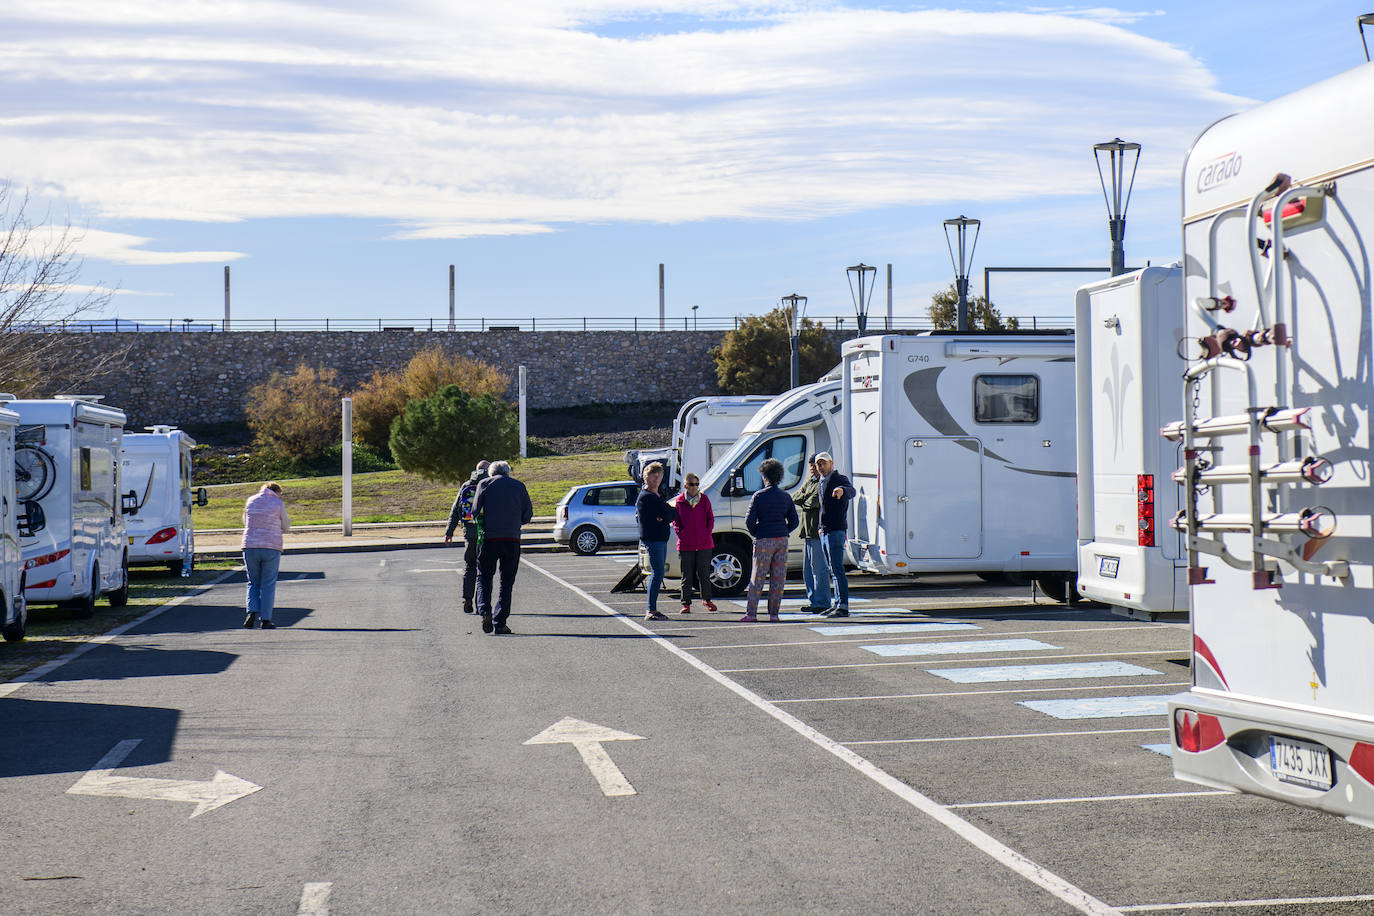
x=197, y=378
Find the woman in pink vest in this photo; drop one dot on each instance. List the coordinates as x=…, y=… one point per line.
x=264, y=520
x=695, y=541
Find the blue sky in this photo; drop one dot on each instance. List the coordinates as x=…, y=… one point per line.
x=340, y=157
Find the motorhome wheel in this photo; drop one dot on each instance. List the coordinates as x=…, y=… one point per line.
x=1056, y=588
x=85, y=605
x=120, y=596
x=14, y=630
x=731, y=566
x=176, y=566
x=586, y=541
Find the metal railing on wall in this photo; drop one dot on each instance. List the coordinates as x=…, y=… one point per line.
x=427, y=325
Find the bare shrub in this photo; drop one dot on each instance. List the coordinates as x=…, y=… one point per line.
x=382, y=398
x=297, y=415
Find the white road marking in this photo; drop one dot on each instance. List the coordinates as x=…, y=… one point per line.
x=44, y=670
x=1041, y=672
x=1100, y=731
x=1101, y=707
x=976, y=693
x=315, y=899
x=587, y=738
x=934, y=662
x=959, y=648
x=877, y=629
x=208, y=795
x=1092, y=798
x=382, y=563
x=1240, y=904
x=1166, y=748
x=1074, y=896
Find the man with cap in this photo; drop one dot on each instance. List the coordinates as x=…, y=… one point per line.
x=462, y=512
x=815, y=564
x=836, y=492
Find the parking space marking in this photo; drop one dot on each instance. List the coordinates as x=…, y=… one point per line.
x=975, y=693
x=1089, y=798
x=1094, y=732
x=909, y=664
x=802, y=602
x=1166, y=749
x=1241, y=904
x=1041, y=672
x=1042, y=877
x=959, y=648
x=315, y=899
x=880, y=628
x=1101, y=707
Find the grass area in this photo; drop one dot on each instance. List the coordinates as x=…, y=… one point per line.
x=52, y=631
x=395, y=496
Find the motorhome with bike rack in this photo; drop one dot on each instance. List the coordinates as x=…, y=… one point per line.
x=157, y=467
x=1276, y=451
x=13, y=609
x=67, y=455
x=1127, y=337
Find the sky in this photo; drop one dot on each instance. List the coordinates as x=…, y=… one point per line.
x=340, y=156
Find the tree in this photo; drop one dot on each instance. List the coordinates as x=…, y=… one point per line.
x=382, y=398
x=982, y=314
x=442, y=437
x=295, y=416
x=756, y=357
x=39, y=268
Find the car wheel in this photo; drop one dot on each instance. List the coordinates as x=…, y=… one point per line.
x=586, y=541
x=120, y=596
x=15, y=630
x=176, y=566
x=85, y=605
x=993, y=576
x=731, y=566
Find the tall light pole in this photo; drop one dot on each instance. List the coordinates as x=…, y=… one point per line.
x=796, y=305
x=694, y=316
x=962, y=261
x=1119, y=198
x=863, y=274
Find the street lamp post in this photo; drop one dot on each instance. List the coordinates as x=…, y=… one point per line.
x=962, y=261
x=1119, y=198
x=694, y=317
x=863, y=273
x=796, y=306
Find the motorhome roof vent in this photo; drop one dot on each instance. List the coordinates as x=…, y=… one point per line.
x=160, y=429
x=6, y=396
x=88, y=398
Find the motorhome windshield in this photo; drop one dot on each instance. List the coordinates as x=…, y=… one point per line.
x=727, y=462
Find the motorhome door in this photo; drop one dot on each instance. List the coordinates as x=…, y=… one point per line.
x=944, y=497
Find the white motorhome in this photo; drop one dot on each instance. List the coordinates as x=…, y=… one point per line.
x=1278, y=451
x=13, y=609
x=67, y=468
x=157, y=468
x=1128, y=332
x=704, y=430
x=961, y=448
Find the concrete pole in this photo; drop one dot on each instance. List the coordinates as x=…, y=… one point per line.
x=660, y=298
x=889, y=297
x=451, y=285
x=348, y=467
x=226, y=297
x=522, y=412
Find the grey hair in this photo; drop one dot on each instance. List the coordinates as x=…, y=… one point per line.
x=498, y=467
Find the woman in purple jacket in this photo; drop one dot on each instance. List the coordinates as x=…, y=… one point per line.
x=694, y=524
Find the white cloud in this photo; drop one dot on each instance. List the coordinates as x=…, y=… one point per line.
x=455, y=122
x=123, y=248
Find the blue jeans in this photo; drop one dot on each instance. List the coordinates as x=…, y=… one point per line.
x=816, y=573
x=262, y=564
x=834, y=549
x=658, y=560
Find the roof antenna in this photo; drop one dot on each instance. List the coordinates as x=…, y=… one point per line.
x=1366, y=19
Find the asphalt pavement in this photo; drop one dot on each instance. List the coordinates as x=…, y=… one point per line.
x=953, y=747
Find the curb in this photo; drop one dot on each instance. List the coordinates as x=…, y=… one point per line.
x=364, y=546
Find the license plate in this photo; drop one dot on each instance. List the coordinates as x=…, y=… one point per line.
x=1107, y=566
x=1300, y=762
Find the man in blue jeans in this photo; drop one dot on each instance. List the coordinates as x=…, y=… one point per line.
x=836, y=492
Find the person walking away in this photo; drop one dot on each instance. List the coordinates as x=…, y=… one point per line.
x=264, y=522
x=502, y=506
x=815, y=564
x=771, y=518
x=836, y=492
x=461, y=513
x=695, y=541
x=654, y=515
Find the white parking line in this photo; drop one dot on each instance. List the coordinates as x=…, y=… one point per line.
x=936, y=661
x=1090, y=798
x=1100, y=731
x=978, y=693
x=315, y=899
x=876, y=630
x=1241, y=904
x=1101, y=707
x=1041, y=672
x=1074, y=896
x=959, y=648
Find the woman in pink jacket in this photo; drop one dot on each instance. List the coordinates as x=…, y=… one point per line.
x=695, y=542
x=264, y=520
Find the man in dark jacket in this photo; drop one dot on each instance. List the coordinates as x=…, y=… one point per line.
x=815, y=564
x=836, y=492
x=503, y=506
x=461, y=513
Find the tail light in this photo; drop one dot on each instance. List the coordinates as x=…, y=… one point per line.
x=563, y=513
x=44, y=560
x=1196, y=732
x=166, y=534
x=1362, y=761
x=1145, y=509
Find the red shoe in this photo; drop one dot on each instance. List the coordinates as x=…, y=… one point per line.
x=748, y=619
x=710, y=606
x=686, y=608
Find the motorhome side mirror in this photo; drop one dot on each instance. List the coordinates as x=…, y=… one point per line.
x=202, y=497
x=31, y=520
x=737, y=483
x=128, y=503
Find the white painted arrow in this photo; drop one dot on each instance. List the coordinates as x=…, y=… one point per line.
x=207, y=795
x=587, y=738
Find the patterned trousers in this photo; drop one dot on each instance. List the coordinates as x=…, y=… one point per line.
x=770, y=565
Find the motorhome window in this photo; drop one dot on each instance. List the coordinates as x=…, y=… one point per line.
x=86, y=469
x=790, y=450
x=1006, y=399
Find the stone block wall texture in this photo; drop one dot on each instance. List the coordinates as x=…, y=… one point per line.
x=197, y=378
